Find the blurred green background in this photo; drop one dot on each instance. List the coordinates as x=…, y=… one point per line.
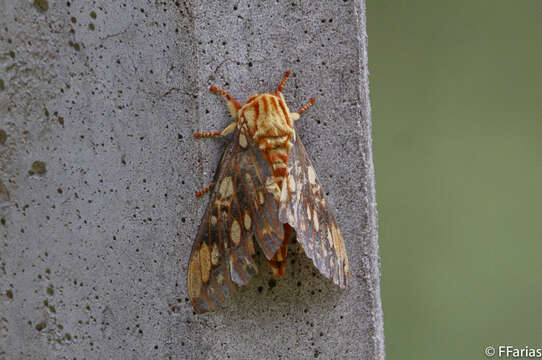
x=456, y=92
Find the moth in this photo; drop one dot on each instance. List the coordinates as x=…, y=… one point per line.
x=265, y=188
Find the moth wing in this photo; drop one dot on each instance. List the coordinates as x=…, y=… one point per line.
x=304, y=207
x=240, y=210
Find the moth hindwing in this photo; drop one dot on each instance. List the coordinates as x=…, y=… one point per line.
x=264, y=189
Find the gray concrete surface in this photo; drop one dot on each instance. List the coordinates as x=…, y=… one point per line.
x=98, y=167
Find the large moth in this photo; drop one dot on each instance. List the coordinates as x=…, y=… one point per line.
x=264, y=189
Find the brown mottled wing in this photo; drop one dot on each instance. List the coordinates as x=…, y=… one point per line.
x=304, y=206
x=240, y=210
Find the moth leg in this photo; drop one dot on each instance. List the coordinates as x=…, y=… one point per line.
x=233, y=104
x=204, y=190
x=295, y=116
x=228, y=130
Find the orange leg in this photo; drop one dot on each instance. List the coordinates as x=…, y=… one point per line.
x=205, y=134
x=233, y=106
x=204, y=190
x=307, y=105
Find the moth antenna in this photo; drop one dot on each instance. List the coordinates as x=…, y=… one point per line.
x=281, y=85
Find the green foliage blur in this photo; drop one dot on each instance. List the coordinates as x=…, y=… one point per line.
x=456, y=93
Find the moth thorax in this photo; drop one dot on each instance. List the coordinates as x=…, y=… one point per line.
x=268, y=123
x=266, y=115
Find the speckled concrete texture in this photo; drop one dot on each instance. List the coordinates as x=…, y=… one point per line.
x=98, y=169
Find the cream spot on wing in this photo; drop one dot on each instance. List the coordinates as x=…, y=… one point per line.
x=205, y=262
x=249, y=181
x=309, y=213
x=247, y=221
x=272, y=187
x=346, y=268
x=220, y=279
x=214, y=220
x=261, y=197
x=194, y=276
x=334, y=234
x=291, y=183
x=303, y=226
x=329, y=238
x=315, y=221
x=269, y=181
x=235, y=232
x=215, y=255
x=266, y=230
x=299, y=187
x=226, y=187
x=243, y=140
x=312, y=175
x=283, y=193
x=291, y=219
x=275, y=190
x=338, y=245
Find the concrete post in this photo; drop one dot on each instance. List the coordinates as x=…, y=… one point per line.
x=98, y=169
